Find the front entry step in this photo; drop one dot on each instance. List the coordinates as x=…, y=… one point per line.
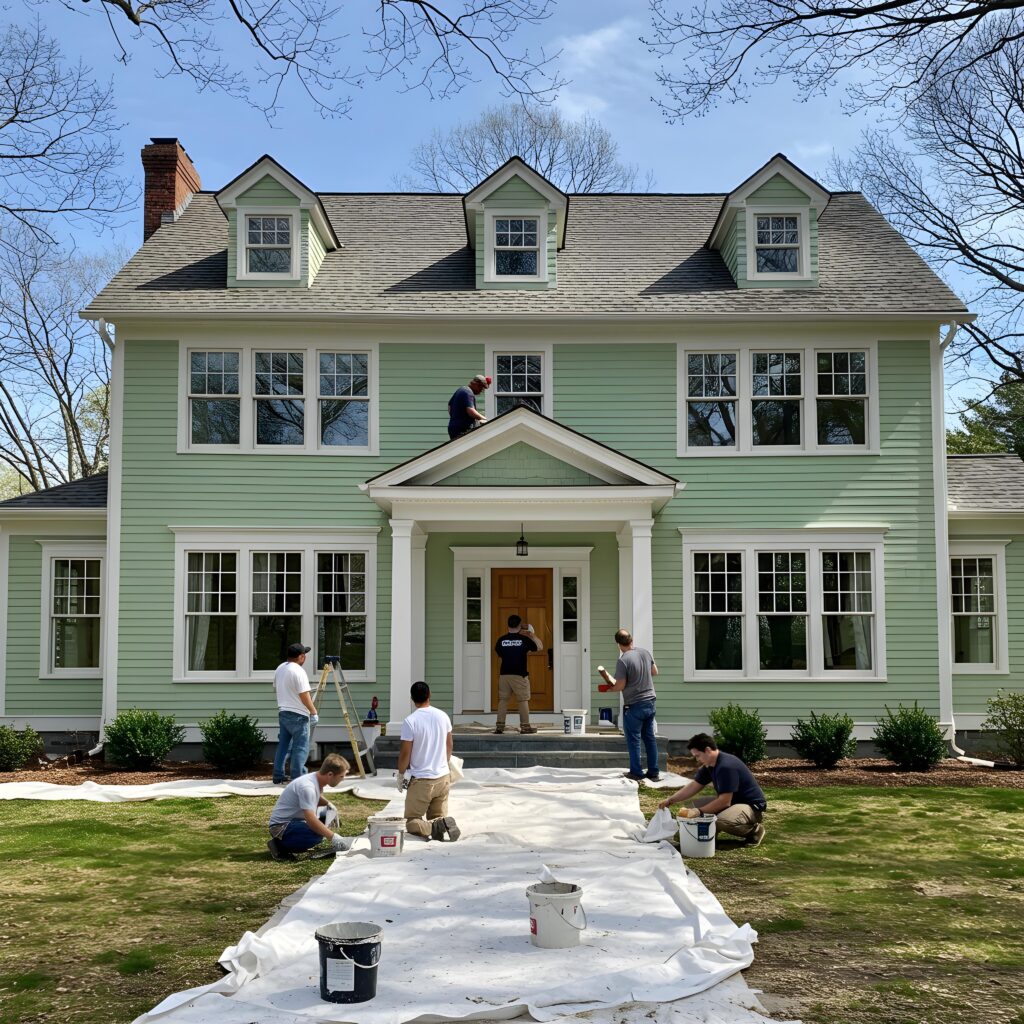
x=543, y=749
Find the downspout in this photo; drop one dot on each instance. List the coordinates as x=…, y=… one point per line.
x=941, y=488
x=101, y=329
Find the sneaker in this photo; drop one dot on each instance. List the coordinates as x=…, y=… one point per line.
x=278, y=852
x=634, y=776
x=280, y=782
x=440, y=827
x=527, y=729
x=755, y=837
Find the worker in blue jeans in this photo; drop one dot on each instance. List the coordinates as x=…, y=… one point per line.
x=295, y=716
x=634, y=678
x=302, y=816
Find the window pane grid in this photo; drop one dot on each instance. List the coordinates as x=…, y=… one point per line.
x=519, y=380
x=718, y=582
x=973, y=586
x=777, y=244
x=711, y=375
x=516, y=247
x=76, y=587
x=212, y=583
x=474, y=609
x=277, y=581
x=781, y=582
x=341, y=608
x=570, y=610
x=75, y=613
x=213, y=373
x=279, y=421
x=846, y=582
x=268, y=245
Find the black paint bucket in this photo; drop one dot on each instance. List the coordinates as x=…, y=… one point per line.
x=349, y=954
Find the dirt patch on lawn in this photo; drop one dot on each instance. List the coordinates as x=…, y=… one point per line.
x=792, y=773
x=61, y=773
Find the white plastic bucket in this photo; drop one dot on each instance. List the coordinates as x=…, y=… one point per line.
x=697, y=836
x=556, y=914
x=574, y=721
x=386, y=836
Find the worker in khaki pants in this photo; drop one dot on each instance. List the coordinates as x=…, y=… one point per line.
x=514, y=674
x=424, y=753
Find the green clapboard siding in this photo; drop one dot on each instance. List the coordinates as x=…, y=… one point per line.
x=524, y=466
x=734, y=250
x=161, y=487
x=27, y=694
x=269, y=192
x=315, y=247
x=517, y=195
x=777, y=493
x=779, y=189
x=971, y=691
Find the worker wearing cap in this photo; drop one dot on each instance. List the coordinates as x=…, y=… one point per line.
x=463, y=414
x=296, y=712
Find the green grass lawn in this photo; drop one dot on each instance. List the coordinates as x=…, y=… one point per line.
x=107, y=908
x=902, y=906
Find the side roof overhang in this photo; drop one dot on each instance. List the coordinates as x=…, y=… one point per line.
x=227, y=197
x=472, y=202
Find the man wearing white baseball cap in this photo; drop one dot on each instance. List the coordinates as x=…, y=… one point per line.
x=296, y=712
x=463, y=414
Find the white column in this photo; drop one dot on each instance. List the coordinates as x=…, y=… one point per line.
x=402, y=603
x=419, y=606
x=643, y=588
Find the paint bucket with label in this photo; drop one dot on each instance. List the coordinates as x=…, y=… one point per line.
x=386, y=836
x=556, y=914
x=349, y=954
x=574, y=721
x=697, y=836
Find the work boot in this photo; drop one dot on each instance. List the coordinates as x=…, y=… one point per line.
x=633, y=776
x=527, y=729
x=278, y=852
x=755, y=837
x=441, y=827
x=499, y=728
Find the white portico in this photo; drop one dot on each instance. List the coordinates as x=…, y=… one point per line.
x=520, y=471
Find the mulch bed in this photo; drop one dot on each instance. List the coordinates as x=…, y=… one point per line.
x=776, y=773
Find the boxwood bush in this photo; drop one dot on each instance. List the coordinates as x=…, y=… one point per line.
x=1006, y=720
x=139, y=740
x=232, y=742
x=910, y=738
x=739, y=732
x=16, y=748
x=824, y=739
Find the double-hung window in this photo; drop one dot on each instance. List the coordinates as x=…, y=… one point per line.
x=74, y=615
x=214, y=405
x=783, y=605
x=344, y=399
x=244, y=596
x=711, y=414
x=278, y=389
x=519, y=380
x=842, y=397
x=517, y=247
x=777, y=244
x=775, y=398
x=268, y=244
x=977, y=577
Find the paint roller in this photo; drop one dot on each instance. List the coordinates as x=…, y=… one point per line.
x=608, y=681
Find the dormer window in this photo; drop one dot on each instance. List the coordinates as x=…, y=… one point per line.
x=516, y=250
x=268, y=247
x=777, y=247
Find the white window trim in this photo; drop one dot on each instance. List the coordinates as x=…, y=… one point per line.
x=812, y=544
x=745, y=350
x=242, y=543
x=96, y=550
x=242, y=272
x=246, y=384
x=804, y=250
x=996, y=550
x=490, y=276
x=545, y=350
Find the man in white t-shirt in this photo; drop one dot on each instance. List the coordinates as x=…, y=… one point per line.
x=425, y=751
x=300, y=818
x=296, y=712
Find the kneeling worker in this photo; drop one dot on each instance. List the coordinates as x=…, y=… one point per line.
x=739, y=801
x=297, y=820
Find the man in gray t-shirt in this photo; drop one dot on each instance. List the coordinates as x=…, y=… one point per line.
x=634, y=677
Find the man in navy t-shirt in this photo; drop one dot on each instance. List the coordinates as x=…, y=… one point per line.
x=514, y=675
x=738, y=803
x=463, y=414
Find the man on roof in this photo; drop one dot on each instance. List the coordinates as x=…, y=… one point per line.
x=463, y=414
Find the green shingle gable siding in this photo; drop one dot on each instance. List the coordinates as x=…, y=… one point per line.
x=779, y=189
x=515, y=194
x=521, y=465
x=762, y=493
x=26, y=694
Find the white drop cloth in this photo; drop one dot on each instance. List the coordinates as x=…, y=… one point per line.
x=455, y=922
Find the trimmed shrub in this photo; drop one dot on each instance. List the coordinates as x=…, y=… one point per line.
x=824, y=739
x=739, y=732
x=232, y=742
x=1006, y=720
x=910, y=738
x=140, y=740
x=16, y=748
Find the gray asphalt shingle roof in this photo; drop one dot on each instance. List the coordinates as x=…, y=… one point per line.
x=630, y=254
x=90, y=493
x=985, y=483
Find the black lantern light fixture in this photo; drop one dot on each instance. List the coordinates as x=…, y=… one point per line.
x=522, y=548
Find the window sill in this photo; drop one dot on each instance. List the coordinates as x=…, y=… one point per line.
x=73, y=673
x=975, y=669
x=262, y=679
x=774, y=452
x=282, y=449
x=783, y=677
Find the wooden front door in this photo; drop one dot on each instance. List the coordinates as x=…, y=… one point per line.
x=528, y=594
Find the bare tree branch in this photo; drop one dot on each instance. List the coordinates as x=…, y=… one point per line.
x=575, y=155
x=328, y=53
x=724, y=49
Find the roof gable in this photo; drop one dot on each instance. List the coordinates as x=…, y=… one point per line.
x=556, y=200
x=522, y=465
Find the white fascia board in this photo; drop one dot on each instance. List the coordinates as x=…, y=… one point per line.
x=726, y=216
x=42, y=514
x=982, y=515
x=520, y=425
x=846, y=532
x=778, y=165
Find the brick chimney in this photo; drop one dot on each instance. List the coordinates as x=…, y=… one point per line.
x=171, y=181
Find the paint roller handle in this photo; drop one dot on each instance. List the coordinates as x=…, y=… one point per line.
x=608, y=681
